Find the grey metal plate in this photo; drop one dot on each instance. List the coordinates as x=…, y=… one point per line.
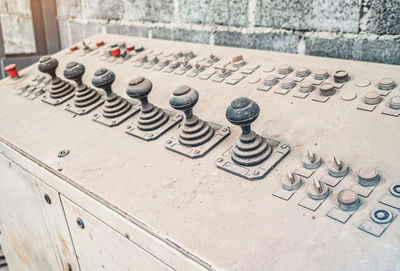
x=83, y=110
x=373, y=228
x=331, y=181
x=321, y=99
x=391, y=201
x=264, y=87
x=46, y=98
x=391, y=112
x=305, y=172
x=366, y=107
x=301, y=95
x=110, y=122
x=312, y=204
x=280, y=150
x=364, y=191
x=340, y=215
x=174, y=119
x=199, y=151
x=282, y=91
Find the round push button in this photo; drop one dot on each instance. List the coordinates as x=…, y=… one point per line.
x=285, y=69
x=368, y=176
x=386, y=84
x=348, y=200
x=321, y=74
x=341, y=76
x=327, y=89
x=372, y=98
x=394, y=102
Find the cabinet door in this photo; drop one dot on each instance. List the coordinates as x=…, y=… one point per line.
x=24, y=236
x=99, y=247
x=58, y=226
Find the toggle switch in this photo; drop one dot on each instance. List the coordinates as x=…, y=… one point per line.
x=311, y=160
x=337, y=168
x=317, y=190
x=60, y=90
x=291, y=181
x=212, y=58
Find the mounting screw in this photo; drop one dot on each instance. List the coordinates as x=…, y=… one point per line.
x=283, y=146
x=80, y=223
x=63, y=153
x=169, y=141
x=220, y=160
x=196, y=151
x=47, y=199
x=256, y=172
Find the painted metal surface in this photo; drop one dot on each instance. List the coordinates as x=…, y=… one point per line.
x=204, y=213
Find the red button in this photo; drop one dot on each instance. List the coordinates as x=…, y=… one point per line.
x=100, y=43
x=12, y=70
x=73, y=48
x=115, y=52
x=130, y=48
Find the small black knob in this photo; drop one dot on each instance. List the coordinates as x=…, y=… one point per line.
x=48, y=65
x=74, y=71
x=104, y=78
x=139, y=88
x=184, y=98
x=242, y=112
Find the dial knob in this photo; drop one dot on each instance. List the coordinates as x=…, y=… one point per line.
x=242, y=112
x=74, y=71
x=104, y=78
x=184, y=98
x=139, y=88
x=48, y=65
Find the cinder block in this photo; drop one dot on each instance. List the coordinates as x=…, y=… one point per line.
x=102, y=9
x=137, y=31
x=337, y=47
x=82, y=31
x=384, y=17
x=281, y=42
x=320, y=15
x=383, y=51
x=151, y=11
x=19, y=7
x=17, y=34
x=69, y=9
x=64, y=37
x=220, y=12
x=181, y=35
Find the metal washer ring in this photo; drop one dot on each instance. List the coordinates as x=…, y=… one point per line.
x=395, y=190
x=387, y=215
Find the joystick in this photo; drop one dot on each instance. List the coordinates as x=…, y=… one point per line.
x=251, y=151
x=86, y=99
x=60, y=90
x=197, y=136
x=116, y=109
x=152, y=121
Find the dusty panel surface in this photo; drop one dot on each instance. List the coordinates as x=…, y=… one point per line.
x=227, y=221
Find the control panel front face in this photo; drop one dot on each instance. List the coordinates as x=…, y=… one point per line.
x=248, y=159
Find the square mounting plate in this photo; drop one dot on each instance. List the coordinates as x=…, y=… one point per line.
x=46, y=98
x=83, y=110
x=199, y=151
x=279, y=151
x=174, y=119
x=110, y=122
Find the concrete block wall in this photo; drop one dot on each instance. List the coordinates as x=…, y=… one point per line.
x=366, y=30
x=16, y=24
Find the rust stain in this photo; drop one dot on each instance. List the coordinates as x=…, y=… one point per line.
x=21, y=251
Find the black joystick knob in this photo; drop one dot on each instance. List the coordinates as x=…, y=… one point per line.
x=251, y=149
x=150, y=117
x=242, y=112
x=74, y=71
x=48, y=65
x=139, y=88
x=104, y=78
x=194, y=132
x=184, y=98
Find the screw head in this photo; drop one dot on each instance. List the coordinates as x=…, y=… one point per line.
x=80, y=223
x=63, y=153
x=47, y=199
x=220, y=160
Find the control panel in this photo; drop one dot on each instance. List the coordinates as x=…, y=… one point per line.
x=248, y=159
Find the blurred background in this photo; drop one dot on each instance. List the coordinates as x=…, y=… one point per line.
x=365, y=30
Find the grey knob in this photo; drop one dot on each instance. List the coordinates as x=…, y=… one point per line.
x=74, y=71
x=48, y=65
x=242, y=112
x=184, y=98
x=139, y=88
x=104, y=78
